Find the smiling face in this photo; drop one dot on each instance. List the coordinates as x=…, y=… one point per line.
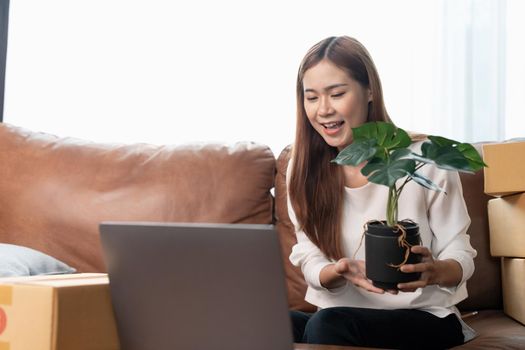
x=334, y=103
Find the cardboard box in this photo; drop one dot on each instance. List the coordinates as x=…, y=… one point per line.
x=505, y=173
x=513, y=284
x=60, y=312
x=507, y=226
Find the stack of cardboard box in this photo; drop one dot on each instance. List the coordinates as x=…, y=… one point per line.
x=505, y=179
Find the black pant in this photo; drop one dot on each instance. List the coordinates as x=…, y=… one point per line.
x=399, y=329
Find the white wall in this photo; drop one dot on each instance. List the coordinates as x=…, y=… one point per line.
x=515, y=58
x=172, y=72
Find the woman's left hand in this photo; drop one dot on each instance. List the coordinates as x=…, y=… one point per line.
x=446, y=273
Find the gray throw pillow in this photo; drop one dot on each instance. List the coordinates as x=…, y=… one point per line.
x=22, y=261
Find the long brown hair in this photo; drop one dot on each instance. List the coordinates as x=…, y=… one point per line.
x=317, y=185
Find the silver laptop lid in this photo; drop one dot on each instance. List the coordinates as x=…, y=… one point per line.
x=197, y=286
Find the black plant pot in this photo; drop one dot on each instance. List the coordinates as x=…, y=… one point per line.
x=384, y=253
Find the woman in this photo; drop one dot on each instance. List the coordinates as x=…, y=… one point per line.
x=338, y=88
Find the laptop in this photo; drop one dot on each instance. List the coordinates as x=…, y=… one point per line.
x=197, y=286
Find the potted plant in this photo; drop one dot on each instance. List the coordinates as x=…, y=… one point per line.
x=391, y=163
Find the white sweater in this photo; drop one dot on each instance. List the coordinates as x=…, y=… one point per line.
x=443, y=221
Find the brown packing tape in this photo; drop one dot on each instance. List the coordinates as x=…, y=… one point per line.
x=54, y=321
x=4, y=346
x=6, y=295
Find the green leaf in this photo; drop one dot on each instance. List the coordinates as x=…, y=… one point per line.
x=452, y=155
x=399, y=153
x=357, y=152
x=426, y=149
x=390, y=172
x=385, y=131
x=378, y=163
x=473, y=157
x=420, y=158
x=400, y=139
x=449, y=158
x=387, y=135
x=373, y=165
x=429, y=150
x=442, y=141
x=365, y=131
x=426, y=182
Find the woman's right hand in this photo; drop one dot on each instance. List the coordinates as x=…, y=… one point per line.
x=354, y=271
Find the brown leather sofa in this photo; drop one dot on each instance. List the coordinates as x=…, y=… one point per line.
x=54, y=192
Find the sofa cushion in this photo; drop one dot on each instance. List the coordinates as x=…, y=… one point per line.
x=495, y=331
x=22, y=261
x=55, y=191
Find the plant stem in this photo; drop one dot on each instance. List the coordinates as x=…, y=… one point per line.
x=409, y=178
x=391, y=208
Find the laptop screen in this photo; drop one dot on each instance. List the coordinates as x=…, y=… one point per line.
x=197, y=286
